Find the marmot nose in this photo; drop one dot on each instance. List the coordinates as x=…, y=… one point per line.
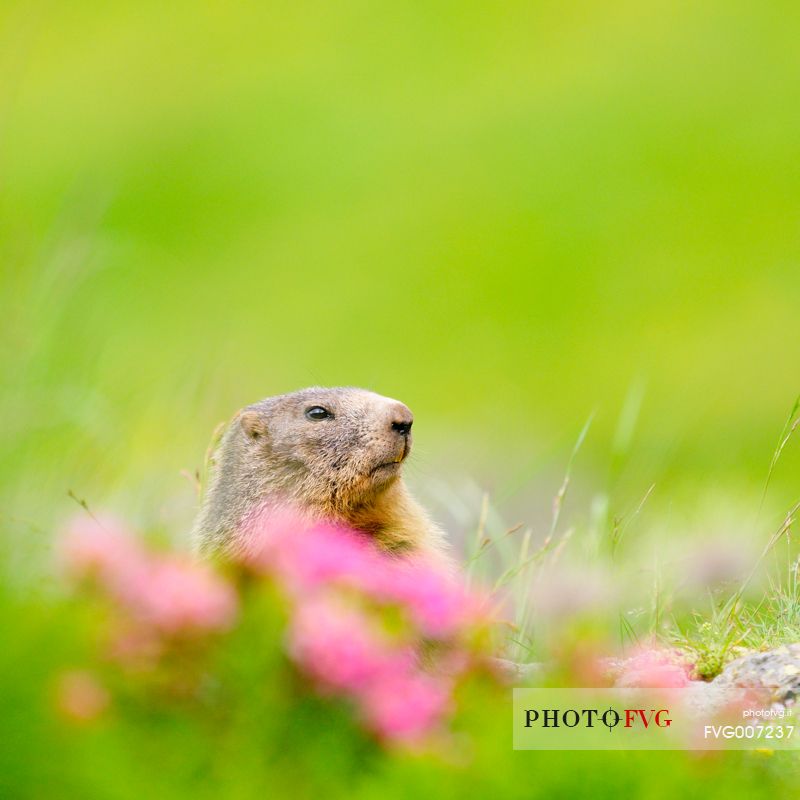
x=402, y=420
x=403, y=428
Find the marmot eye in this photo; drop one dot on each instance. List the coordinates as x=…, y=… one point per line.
x=316, y=413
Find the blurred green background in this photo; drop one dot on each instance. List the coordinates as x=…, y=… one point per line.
x=509, y=216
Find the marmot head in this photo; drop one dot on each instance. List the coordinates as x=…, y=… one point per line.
x=337, y=449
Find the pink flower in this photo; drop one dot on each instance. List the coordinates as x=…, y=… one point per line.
x=405, y=707
x=165, y=593
x=650, y=668
x=99, y=547
x=339, y=648
x=342, y=645
x=438, y=604
x=174, y=597
x=343, y=651
x=339, y=587
x=307, y=556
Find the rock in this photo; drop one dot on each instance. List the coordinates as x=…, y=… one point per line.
x=777, y=670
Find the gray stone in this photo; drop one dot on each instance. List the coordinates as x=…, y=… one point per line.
x=777, y=670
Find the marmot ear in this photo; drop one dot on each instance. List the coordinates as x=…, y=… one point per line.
x=253, y=424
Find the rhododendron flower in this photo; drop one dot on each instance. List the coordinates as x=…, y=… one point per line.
x=339, y=588
x=175, y=596
x=437, y=603
x=339, y=648
x=99, y=547
x=337, y=583
x=651, y=668
x=405, y=707
x=306, y=556
x=161, y=591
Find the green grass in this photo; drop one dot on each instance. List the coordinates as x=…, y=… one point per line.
x=505, y=218
x=755, y=607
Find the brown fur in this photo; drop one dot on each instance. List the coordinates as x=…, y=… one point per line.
x=345, y=468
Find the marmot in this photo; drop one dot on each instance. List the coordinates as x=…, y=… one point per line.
x=332, y=454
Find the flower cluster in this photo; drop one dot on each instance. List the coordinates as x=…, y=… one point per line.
x=392, y=636
x=341, y=591
x=653, y=668
x=308, y=557
x=163, y=595
x=345, y=652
